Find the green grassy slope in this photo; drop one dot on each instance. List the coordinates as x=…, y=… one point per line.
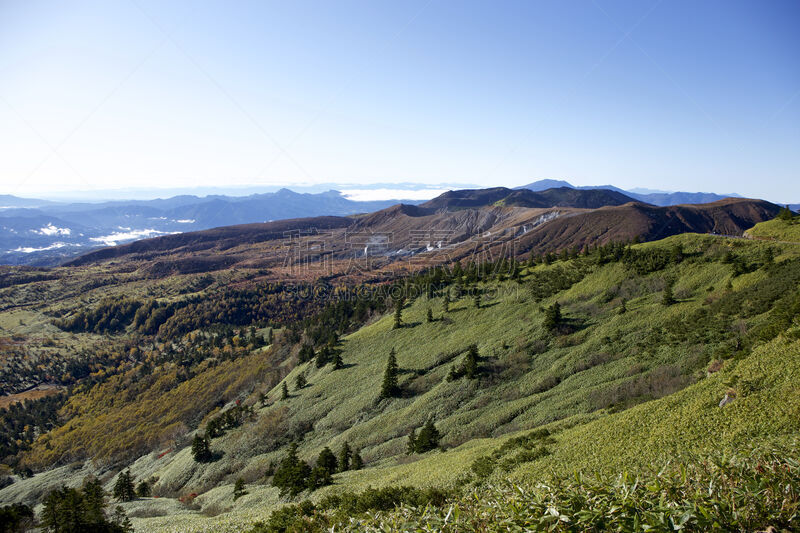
x=615, y=390
x=574, y=383
x=776, y=229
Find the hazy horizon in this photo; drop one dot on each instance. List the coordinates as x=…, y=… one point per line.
x=679, y=96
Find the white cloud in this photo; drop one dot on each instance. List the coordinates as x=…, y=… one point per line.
x=369, y=195
x=185, y=221
x=50, y=229
x=29, y=250
x=114, y=238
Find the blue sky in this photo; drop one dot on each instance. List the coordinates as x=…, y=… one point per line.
x=677, y=95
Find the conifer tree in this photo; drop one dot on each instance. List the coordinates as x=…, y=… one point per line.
x=124, y=489
x=94, y=500
x=238, y=489
x=552, y=316
x=446, y=301
x=398, y=313
x=623, y=308
x=319, y=477
x=344, y=457
x=476, y=299
x=121, y=520
x=300, y=381
x=471, y=362
x=429, y=315
x=292, y=474
x=284, y=391
x=338, y=363
x=323, y=357
x=306, y=353
x=428, y=438
x=389, y=387
x=201, y=450
x=143, y=489
x=411, y=446
x=327, y=460
x=64, y=510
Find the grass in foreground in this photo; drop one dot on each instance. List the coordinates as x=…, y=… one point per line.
x=750, y=492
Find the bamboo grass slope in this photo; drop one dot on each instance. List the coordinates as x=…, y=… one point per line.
x=613, y=361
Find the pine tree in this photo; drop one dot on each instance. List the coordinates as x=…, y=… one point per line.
x=124, y=490
x=398, y=313
x=64, y=511
x=389, y=387
x=338, y=363
x=428, y=438
x=201, y=449
x=319, y=477
x=94, y=500
x=327, y=460
x=306, y=353
x=284, y=391
x=476, y=299
x=121, y=520
x=300, y=381
x=356, y=463
x=471, y=362
x=238, y=489
x=323, y=357
x=344, y=457
x=143, y=489
x=446, y=301
x=292, y=474
x=411, y=447
x=623, y=308
x=429, y=315
x=552, y=317
x=785, y=214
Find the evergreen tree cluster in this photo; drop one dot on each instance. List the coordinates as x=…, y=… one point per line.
x=16, y=518
x=70, y=510
x=294, y=475
x=124, y=488
x=110, y=315
x=425, y=441
x=21, y=422
x=786, y=214
x=470, y=367
x=232, y=418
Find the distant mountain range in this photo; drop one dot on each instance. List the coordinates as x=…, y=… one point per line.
x=649, y=196
x=42, y=233
x=39, y=232
x=456, y=225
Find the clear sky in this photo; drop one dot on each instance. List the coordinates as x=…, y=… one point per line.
x=693, y=95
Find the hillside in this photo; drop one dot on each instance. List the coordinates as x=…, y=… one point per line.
x=404, y=237
x=778, y=230
x=623, y=356
x=553, y=197
x=660, y=198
